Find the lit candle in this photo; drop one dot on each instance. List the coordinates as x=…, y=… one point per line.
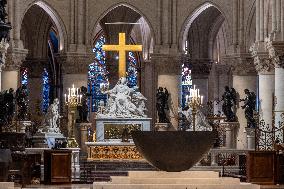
x=201, y=99
x=197, y=92
x=69, y=91
x=65, y=97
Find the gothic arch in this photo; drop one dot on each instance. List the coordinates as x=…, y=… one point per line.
x=94, y=25
x=190, y=19
x=56, y=19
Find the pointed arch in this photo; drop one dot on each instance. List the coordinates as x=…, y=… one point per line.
x=56, y=19
x=97, y=22
x=191, y=18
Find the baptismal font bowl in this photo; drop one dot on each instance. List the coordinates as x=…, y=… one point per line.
x=173, y=151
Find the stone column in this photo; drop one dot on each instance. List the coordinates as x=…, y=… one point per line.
x=265, y=69
x=168, y=70
x=276, y=54
x=231, y=129
x=244, y=77
x=81, y=135
x=10, y=73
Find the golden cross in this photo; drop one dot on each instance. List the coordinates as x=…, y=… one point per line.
x=122, y=48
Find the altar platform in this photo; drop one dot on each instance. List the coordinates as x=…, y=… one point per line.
x=173, y=180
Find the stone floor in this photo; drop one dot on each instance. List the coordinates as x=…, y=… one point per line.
x=89, y=186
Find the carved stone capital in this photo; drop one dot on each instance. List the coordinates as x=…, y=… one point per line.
x=201, y=66
x=275, y=52
x=262, y=62
x=15, y=58
x=222, y=69
x=167, y=64
x=75, y=63
x=241, y=64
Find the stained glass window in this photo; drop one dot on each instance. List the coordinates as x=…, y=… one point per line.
x=97, y=75
x=132, y=70
x=24, y=76
x=186, y=83
x=45, y=91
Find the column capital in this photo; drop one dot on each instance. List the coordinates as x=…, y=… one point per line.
x=166, y=63
x=75, y=63
x=275, y=51
x=222, y=69
x=15, y=58
x=262, y=62
x=240, y=64
x=201, y=66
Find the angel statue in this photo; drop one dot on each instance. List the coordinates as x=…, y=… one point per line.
x=249, y=106
x=229, y=102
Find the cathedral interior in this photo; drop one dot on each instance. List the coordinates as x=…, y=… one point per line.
x=95, y=92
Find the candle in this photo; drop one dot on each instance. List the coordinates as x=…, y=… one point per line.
x=65, y=97
x=201, y=99
x=69, y=92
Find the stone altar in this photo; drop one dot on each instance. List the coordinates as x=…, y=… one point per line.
x=102, y=122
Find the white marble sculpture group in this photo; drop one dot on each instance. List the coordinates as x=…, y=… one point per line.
x=49, y=124
x=124, y=102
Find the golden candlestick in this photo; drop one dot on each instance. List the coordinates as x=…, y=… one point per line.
x=194, y=101
x=72, y=100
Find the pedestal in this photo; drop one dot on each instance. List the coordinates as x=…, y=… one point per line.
x=230, y=132
x=82, y=135
x=250, y=133
x=46, y=140
x=162, y=126
x=24, y=125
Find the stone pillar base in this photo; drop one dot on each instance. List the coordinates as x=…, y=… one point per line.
x=250, y=132
x=230, y=132
x=24, y=125
x=162, y=126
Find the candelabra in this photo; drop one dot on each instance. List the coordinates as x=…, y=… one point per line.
x=194, y=101
x=72, y=100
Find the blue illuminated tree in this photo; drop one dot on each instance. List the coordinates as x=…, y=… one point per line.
x=97, y=75
x=186, y=83
x=132, y=73
x=45, y=91
x=24, y=76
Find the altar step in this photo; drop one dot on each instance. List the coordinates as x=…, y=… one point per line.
x=173, y=180
x=101, y=171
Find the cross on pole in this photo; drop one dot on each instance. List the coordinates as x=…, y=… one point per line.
x=122, y=48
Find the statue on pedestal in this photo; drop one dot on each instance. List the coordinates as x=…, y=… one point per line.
x=51, y=118
x=229, y=102
x=22, y=102
x=83, y=109
x=249, y=106
x=162, y=104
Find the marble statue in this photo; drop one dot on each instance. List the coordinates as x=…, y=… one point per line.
x=186, y=120
x=249, y=106
x=51, y=118
x=22, y=102
x=124, y=101
x=229, y=102
x=84, y=108
x=162, y=104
